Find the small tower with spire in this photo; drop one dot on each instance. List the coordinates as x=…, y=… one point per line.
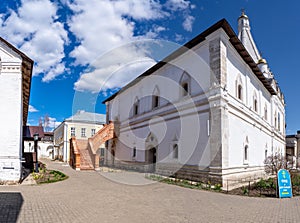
x=246, y=38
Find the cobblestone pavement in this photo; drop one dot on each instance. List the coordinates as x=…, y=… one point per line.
x=91, y=197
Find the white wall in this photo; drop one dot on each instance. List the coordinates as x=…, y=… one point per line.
x=11, y=113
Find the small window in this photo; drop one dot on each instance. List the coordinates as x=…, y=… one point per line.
x=102, y=150
x=246, y=154
x=266, y=113
x=72, y=131
x=255, y=105
x=155, y=102
x=134, y=152
x=279, y=127
x=185, y=89
x=82, y=132
x=240, y=92
x=136, y=108
x=175, y=151
x=266, y=154
x=93, y=132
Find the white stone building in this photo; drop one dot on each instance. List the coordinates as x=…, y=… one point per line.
x=45, y=143
x=293, y=150
x=82, y=125
x=15, y=81
x=210, y=111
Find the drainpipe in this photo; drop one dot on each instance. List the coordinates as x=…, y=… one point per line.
x=66, y=143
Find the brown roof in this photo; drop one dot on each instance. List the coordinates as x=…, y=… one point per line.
x=27, y=66
x=234, y=40
x=29, y=131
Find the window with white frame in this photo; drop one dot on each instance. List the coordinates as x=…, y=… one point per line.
x=73, y=131
x=83, y=132
x=93, y=132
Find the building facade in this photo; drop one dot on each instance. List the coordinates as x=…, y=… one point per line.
x=45, y=143
x=15, y=81
x=82, y=125
x=210, y=111
x=293, y=150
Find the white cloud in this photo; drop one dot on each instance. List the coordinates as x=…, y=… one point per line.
x=34, y=28
x=103, y=27
x=188, y=23
x=176, y=5
x=32, y=109
x=115, y=69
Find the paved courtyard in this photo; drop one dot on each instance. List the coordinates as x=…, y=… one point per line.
x=96, y=197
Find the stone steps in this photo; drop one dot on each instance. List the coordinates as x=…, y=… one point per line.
x=85, y=160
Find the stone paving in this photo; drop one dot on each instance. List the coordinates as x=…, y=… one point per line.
x=96, y=197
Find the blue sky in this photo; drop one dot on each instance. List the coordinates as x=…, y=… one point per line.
x=70, y=40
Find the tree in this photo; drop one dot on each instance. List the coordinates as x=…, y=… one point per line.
x=274, y=163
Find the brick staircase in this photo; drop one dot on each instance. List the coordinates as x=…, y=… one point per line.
x=84, y=154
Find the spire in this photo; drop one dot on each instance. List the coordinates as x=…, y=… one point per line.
x=246, y=38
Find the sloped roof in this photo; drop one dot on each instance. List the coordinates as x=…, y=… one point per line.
x=29, y=131
x=234, y=40
x=88, y=117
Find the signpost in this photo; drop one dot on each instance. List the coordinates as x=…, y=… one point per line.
x=284, y=184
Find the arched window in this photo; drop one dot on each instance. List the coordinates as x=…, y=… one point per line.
x=134, y=152
x=155, y=98
x=246, y=154
x=255, y=102
x=240, y=92
x=175, y=151
x=136, y=107
x=266, y=113
x=185, y=84
x=279, y=121
x=239, y=87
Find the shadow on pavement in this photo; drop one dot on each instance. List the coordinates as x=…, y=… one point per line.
x=10, y=206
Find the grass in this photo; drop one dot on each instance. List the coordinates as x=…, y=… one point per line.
x=48, y=176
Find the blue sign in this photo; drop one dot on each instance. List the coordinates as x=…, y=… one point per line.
x=284, y=184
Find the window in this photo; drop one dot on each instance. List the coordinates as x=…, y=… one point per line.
x=185, y=89
x=155, y=102
x=185, y=84
x=246, y=154
x=134, y=152
x=155, y=98
x=240, y=92
x=102, y=150
x=93, y=132
x=175, y=151
x=136, y=107
x=266, y=154
x=73, y=131
x=279, y=121
x=275, y=122
x=82, y=132
x=266, y=113
x=255, y=105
